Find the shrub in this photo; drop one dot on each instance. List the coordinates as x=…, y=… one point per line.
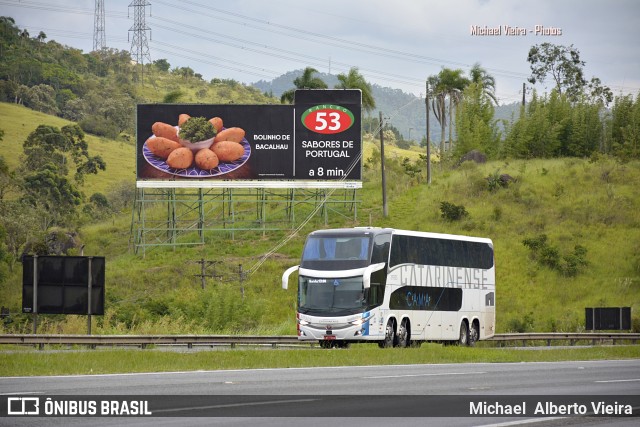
x=100, y=126
x=451, y=212
x=549, y=256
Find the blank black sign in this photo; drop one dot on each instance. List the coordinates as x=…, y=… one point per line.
x=63, y=284
x=608, y=318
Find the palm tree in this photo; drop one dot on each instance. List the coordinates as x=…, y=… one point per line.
x=355, y=80
x=447, y=83
x=480, y=76
x=438, y=105
x=305, y=81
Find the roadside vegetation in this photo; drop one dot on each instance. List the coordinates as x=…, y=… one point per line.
x=108, y=361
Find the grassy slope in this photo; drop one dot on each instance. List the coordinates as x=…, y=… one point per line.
x=18, y=122
x=572, y=201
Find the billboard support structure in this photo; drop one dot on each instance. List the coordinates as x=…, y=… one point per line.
x=190, y=214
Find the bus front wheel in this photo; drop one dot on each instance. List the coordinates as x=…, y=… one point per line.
x=389, y=335
x=464, y=334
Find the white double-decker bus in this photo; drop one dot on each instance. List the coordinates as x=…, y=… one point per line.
x=394, y=287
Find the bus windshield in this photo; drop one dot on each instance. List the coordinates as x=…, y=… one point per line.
x=331, y=296
x=336, y=252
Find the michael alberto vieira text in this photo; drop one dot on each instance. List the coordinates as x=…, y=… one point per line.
x=550, y=408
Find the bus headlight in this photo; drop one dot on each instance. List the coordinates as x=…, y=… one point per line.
x=360, y=321
x=302, y=322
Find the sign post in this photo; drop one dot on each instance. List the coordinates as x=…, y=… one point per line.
x=89, y=299
x=35, y=294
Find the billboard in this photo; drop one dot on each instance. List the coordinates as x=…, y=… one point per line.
x=62, y=284
x=314, y=142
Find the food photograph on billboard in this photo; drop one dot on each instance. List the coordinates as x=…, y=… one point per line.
x=318, y=138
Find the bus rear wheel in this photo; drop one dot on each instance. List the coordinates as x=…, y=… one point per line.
x=404, y=334
x=474, y=334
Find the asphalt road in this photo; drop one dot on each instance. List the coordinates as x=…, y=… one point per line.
x=328, y=394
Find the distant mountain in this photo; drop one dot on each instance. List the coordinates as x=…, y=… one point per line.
x=403, y=110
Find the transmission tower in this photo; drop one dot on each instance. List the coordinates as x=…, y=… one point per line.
x=99, y=37
x=139, y=43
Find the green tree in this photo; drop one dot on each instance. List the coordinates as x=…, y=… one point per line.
x=480, y=76
x=475, y=127
x=41, y=98
x=46, y=166
x=162, y=64
x=305, y=81
x=355, y=80
x=7, y=176
x=624, y=126
x=562, y=63
x=51, y=194
x=584, y=132
x=554, y=126
x=597, y=93
x=20, y=222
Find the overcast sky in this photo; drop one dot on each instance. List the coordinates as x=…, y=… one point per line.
x=397, y=43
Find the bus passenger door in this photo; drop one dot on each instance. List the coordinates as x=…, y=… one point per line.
x=433, y=329
x=487, y=329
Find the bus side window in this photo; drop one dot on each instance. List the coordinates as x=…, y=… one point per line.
x=381, y=246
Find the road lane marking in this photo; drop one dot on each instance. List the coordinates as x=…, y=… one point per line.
x=21, y=393
x=421, y=375
x=523, y=422
x=619, y=381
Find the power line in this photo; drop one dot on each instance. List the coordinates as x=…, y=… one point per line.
x=275, y=52
x=344, y=43
x=53, y=8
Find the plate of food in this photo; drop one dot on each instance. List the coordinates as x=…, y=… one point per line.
x=215, y=150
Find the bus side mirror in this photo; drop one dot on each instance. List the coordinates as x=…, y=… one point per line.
x=286, y=274
x=366, y=275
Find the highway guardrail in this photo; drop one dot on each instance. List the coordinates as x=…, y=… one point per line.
x=279, y=340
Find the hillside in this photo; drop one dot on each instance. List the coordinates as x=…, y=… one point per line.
x=18, y=122
x=160, y=293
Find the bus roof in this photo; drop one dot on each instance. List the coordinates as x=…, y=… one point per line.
x=359, y=231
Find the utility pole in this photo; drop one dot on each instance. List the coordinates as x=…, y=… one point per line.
x=524, y=90
x=426, y=101
x=241, y=276
x=385, y=209
x=204, y=265
x=99, y=37
x=139, y=43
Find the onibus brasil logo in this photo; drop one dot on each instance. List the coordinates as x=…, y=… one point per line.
x=327, y=119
